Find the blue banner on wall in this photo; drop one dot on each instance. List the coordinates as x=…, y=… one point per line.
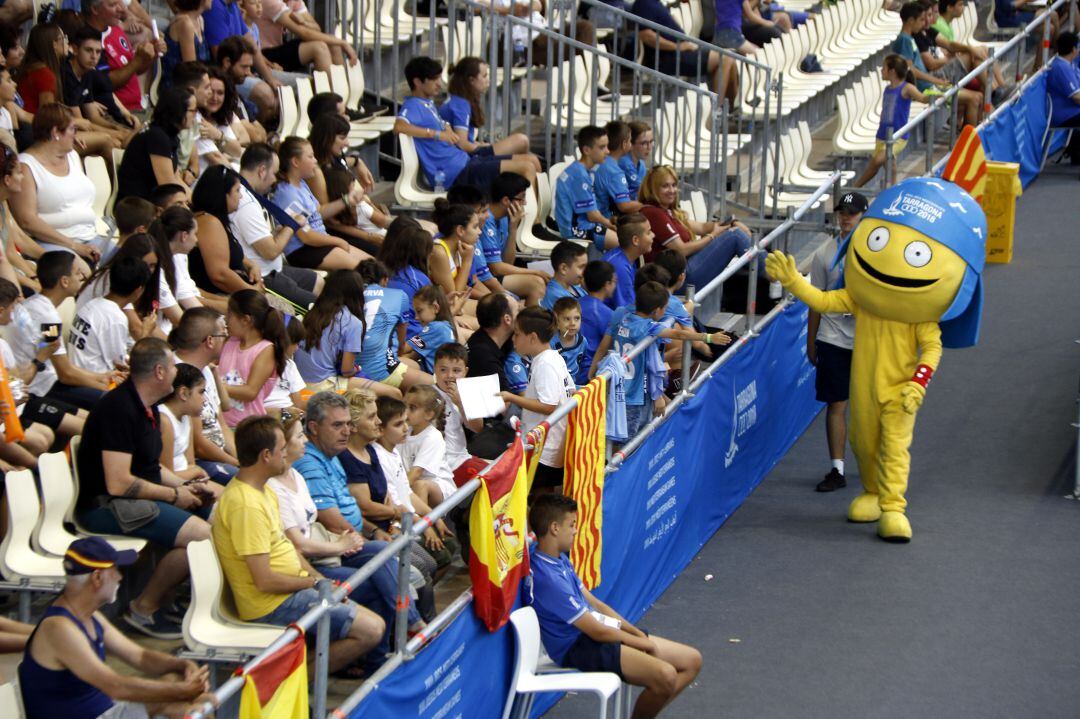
x=660, y=508
x=1016, y=134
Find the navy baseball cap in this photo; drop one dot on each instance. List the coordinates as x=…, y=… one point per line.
x=91, y=553
x=852, y=202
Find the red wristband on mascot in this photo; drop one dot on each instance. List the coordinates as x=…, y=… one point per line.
x=923, y=374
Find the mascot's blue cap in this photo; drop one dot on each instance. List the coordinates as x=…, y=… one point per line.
x=944, y=212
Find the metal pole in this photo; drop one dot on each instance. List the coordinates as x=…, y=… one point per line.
x=401, y=626
x=777, y=184
x=687, y=349
x=322, y=651
x=955, y=119
x=751, y=290
x=931, y=122
x=724, y=155
x=888, y=156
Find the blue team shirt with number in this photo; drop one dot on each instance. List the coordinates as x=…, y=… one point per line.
x=610, y=187
x=434, y=154
x=626, y=330
x=428, y=342
x=635, y=173
x=384, y=309
x=493, y=238
x=575, y=198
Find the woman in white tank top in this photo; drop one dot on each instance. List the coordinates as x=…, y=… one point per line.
x=185, y=402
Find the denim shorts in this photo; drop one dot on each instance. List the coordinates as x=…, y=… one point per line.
x=299, y=603
x=162, y=530
x=637, y=416
x=729, y=38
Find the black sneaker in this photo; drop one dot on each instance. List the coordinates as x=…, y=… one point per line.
x=832, y=482
x=156, y=625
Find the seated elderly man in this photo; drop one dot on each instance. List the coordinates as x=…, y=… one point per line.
x=63, y=672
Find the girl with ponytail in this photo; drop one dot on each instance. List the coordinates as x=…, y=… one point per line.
x=175, y=234
x=254, y=355
x=900, y=90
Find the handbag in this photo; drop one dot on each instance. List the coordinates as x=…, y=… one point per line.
x=131, y=514
x=322, y=534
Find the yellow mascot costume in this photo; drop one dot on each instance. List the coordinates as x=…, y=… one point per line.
x=912, y=278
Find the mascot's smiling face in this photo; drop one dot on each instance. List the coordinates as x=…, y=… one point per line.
x=900, y=274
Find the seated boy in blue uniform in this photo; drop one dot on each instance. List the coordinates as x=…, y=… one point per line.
x=611, y=184
x=581, y=632
x=576, y=211
x=568, y=260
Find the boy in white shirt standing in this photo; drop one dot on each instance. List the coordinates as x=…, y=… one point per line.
x=549, y=384
x=99, y=339
x=452, y=363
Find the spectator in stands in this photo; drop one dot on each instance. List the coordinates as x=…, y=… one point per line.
x=64, y=672
x=123, y=60
x=470, y=79
x=913, y=19
x=899, y=91
x=152, y=156
x=174, y=236
x=325, y=103
x=424, y=452
x=568, y=340
x=437, y=145
x=939, y=48
x=56, y=206
x=99, y=339
x=259, y=105
x=549, y=385
x=729, y=27
x=576, y=210
x=759, y=29
x=217, y=263
x=507, y=207
x=405, y=252
x=270, y=580
x=490, y=346
x=140, y=315
x=595, y=314
x=1063, y=89
x=581, y=632
x=707, y=246
x=16, y=247
x=118, y=466
x=450, y=262
x=263, y=244
x=253, y=357
x=364, y=226
x=185, y=402
x=568, y=260
x=384, y=330
x=633, y=162
x=222, y=138
x=39, y=75
x=451, y=364
x=635, y=240
x=312, y=247
x=185, y=40
x=609, y=179
x=435, y=313
x=195, y=77
x=1012, y=13
x=225, y=19
x=9, y=111
x=669, y=270
x=14, y=13
x=675, y=57
x=170, y=195
x=830, y=338
x=87, y=88
x=307, y=43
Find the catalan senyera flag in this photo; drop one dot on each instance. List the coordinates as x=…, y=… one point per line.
x=277, y=688
x=967, y=164
x=583, y=476
x=498, y=558
x=537, y=436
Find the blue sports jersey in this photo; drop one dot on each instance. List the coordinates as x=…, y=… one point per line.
x=458, y=114
x=675, y=314
x=383, y=312
x=434, y=154
x=480, y=270
x=626, y=330
x=409, y=280
x=345, y=333
x=610, y=187
x=573, y=355
x=595, y=317
x=624, y=278
x=574, y=199
x=493, y=238
x=555, y=292
x=298, y=199
x=428, y=342
x=635, y=173
x=516, y=369
x=558, y=597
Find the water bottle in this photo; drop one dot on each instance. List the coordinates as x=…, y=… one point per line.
x=440, y=181
x=776, y=290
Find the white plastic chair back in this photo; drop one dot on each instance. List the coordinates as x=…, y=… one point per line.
x=322, y=81
x=288, y=110
x=10, y=701
x=303, y=98
x=339, y=83
x=17, y=559
x=57, y=499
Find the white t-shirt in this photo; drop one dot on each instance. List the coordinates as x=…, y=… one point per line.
x=427, y=451
x=181, y=427
x=364, y=212
x=211, y=427
x=297, y=509
x=5, y=120
x=100, y=287
x=551, y=383
x=251, y=223
x=205, y=146
x=99, y=337
x=186, y=288
x=453, y=432
x=287, y=384
x=397, y=479
x=41, y=311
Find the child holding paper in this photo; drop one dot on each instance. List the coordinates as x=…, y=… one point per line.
x=451, y=364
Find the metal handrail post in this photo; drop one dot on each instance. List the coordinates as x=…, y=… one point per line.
x=777, y=183
x=955, y=119
x=764, y=150
x=322, y=650
x=404, y=597
x=724, y=154
x=751, y=290
x=885, y=182
x=931, y=126
x=687, y=348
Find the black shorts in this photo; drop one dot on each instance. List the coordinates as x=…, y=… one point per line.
x=833, y=382
x=480, y=171
x=49, y=412
x=309, y=256
x=484, y=151
x=287, y=54
x=691, y=64
x=589, y=655
x=547, y=477
x=296, y=284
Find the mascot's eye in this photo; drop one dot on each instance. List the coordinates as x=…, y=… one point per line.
x=918, y=254
x=878, y=239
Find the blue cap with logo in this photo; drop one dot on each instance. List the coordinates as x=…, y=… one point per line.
x=92, y=553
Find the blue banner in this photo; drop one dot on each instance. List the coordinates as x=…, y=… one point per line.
x=660, y=508
x=1016, y=134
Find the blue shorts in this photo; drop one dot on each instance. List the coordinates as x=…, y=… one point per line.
x=589, y=655
x=300, y=603
x=161, y=531
x=485, y=151
x=480, y=171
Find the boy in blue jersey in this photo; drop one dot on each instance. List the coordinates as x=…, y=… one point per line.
x=595, y=314
x=581, y=632
x=635, y=239
x=576, y=211
x=612, y=189
x=629, y=328
x=568, y=339
x=568, y=259
x=437, y=145
x=633, y=161
x=384, y=309
x=507, y=195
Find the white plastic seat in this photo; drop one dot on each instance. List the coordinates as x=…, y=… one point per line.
x=10, y=702
x=288, y=111
x=118, y=541
x=18, y=560
x=407, y=189
x=210, y=625
x=304, y=95
x=354, y=75
x=526, y=681
x=98, y=172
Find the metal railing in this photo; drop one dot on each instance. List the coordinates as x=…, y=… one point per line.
x=928, y=115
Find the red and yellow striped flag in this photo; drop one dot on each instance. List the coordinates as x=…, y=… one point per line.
x=277, y=688
x=583, y=476
x=967, y=164
x=498, y=560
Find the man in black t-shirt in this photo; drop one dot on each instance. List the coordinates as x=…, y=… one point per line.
x=124, y=490
x=90, y=90
x=488, y=348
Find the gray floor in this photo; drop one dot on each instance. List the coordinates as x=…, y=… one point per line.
x=978, y=616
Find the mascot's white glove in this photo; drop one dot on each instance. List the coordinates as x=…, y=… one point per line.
x=913, y=393
x=781, y=267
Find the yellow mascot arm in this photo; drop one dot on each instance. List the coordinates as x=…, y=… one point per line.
x=928, y=336
x=782, y=268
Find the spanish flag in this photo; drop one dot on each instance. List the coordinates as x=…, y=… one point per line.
x=498, y=559
x=536, y=437
x=967, y=164
x=583, y=477
x=277, y=687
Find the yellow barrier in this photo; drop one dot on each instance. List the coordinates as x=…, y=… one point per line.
x=999, y=202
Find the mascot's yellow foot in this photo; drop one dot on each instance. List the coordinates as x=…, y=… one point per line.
x=864, y=508
x=894, y=527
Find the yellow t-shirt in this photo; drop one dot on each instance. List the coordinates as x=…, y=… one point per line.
x=247, y=522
